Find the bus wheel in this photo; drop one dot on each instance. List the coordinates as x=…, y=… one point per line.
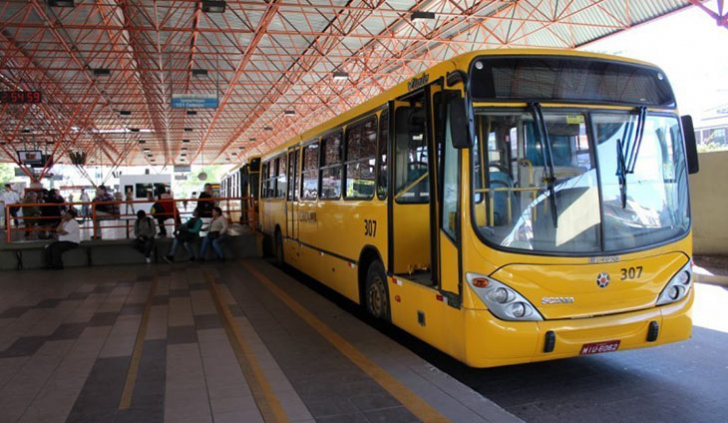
x=377, y=296
x=280, y=260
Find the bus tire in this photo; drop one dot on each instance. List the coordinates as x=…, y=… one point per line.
x=280, y=259
x=377, y=292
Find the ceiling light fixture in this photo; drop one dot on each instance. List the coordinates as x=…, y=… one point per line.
x=268, y=128
x=102, y=72
x=61, y=3
x=417, y=15
x=199, y=72
x=185, y=141
x=289, y=113
x=188, y=129
x=125, y=112
x=213, y=6
x=191, y=112
x=341, y=76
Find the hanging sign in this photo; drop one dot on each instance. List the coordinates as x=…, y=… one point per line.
x=194, y=101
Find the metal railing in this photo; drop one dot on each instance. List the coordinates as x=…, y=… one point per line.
x=241, y=210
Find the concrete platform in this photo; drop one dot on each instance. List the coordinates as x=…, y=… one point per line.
x=233, y=342
x=29, y=255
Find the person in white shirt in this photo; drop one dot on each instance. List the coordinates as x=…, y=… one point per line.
x=7, y=197
x=217, y=232
x=69, y=236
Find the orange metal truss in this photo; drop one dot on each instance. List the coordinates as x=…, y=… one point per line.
x=262, y=58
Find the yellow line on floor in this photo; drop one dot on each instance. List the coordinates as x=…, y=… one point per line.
x=136, y=356
x=267, y=401
x=413, y=402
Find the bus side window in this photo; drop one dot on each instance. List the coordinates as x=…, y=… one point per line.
x=264, y=181
x=273, y=184
x=281, y=177
x=361, y=153
x=331, y=166
x=309, y=173
x=383, y=148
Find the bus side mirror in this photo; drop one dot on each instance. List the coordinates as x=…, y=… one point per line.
x=459, y=122
x=691, y=145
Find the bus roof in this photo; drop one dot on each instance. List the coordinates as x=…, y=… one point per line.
x=439, y=70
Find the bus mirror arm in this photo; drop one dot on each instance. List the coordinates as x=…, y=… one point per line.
x=460, y=121
x=691, y=145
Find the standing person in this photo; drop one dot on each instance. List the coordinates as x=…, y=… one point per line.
x=129, y=200
x=217, y=232
x=104, y=211
x=69, y=236
x=30, y=213
x=144, y=231
x=186, y=234
x=205, y=207
x=10, y=196
x=84, y=207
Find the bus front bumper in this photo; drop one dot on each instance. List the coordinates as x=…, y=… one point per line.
x=492, y=342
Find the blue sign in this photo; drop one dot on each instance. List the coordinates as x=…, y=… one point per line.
x=194, y=101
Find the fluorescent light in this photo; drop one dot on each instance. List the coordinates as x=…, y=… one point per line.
x=199, y=72
x=289, y=113
x=213, y=6
x=422, y=15
x=61, y=3
x=125, y=112
x=101, y=71
x=133, y=129
x=188, y=129
x=185, y=141
x=341, y=76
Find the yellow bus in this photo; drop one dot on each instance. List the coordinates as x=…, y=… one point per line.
x=242, y=181
x=505, y=206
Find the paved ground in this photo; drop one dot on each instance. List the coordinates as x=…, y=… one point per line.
x=683, y=382
x=203, y=343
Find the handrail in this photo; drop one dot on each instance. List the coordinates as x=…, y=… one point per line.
x=245, y=206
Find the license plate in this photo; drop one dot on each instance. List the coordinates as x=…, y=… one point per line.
x=599, y=347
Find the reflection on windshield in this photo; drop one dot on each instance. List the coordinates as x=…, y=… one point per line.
x=512, y=200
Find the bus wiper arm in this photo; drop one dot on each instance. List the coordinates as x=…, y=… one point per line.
x=621, y=172
x=548, y=157
x=635, y=146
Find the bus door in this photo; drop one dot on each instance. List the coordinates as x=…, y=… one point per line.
x=415, y=233
x=292, y=202
x=447, y=192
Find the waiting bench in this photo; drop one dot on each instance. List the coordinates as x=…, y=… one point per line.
x=29, y=255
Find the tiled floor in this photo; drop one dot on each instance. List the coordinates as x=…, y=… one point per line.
x=74, y=344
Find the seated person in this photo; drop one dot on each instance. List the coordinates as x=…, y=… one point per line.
x=186, y=234
x=144, y=231
x=216, y=235
x=69, y=236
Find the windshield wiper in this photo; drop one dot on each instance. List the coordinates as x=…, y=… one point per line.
x=622, y=172
x=641, y=118
x=548, y=162
x=626, y=165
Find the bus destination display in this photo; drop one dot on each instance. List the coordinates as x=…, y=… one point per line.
x=20, y=97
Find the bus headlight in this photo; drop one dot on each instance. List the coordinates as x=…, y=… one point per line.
x=503, y=301
x=678, y=287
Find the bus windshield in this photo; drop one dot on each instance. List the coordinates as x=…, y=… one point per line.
x=597, y=207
